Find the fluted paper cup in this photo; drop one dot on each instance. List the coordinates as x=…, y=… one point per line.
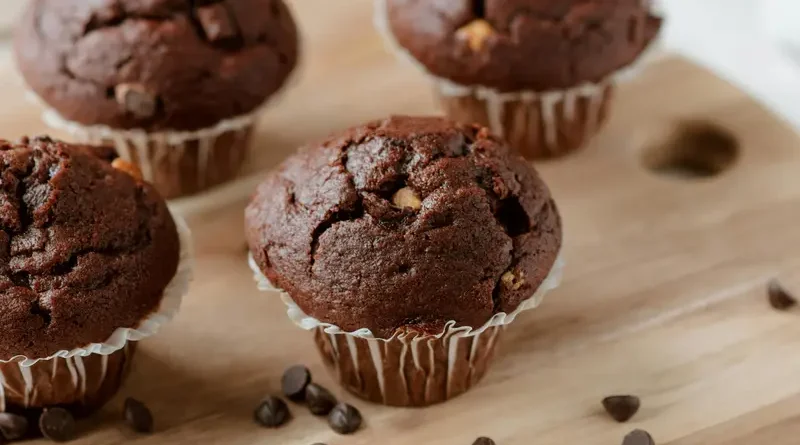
x=177, y=163
x=83, y=379
x=538, y=124
x=411, y=368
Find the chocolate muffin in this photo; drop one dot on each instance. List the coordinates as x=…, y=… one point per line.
x=406, y=231
x=175, y=86
x=539, y=72
x=87, y=252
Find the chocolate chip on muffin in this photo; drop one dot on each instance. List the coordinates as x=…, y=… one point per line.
x=512, y=45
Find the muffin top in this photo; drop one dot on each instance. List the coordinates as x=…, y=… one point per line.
x=155, y=64
x=405, y=223
x=513, y=45
x=84, y=248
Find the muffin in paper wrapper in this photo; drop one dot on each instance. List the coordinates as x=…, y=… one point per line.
x=411, y=368
x=538, y=124
x=177, y=163
x=83, y=379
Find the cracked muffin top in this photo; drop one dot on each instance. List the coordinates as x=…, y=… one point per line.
x=513, y=45
x=155, y=64
x=405, y=224
x=84, y=248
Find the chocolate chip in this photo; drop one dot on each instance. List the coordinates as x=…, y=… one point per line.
x=138, y=416
x=12, y=426
x=57, y=424
x=272, y=412
x=216, y=22
x=638, y=437
x=344, y=419
x=483, y=441
x=294, y=382
x=621, y=408
x=779, y=298
x=320, y=400
x=136, y=99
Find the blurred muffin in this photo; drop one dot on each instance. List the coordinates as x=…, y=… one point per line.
x=540, y=73
x=406, y=244
x=90, y=259
x=174, y=86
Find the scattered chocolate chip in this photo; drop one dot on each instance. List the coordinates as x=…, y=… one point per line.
x=12, y=426
x=779, y=298
x=638, y=437
x=344, y=419
x=57, y=424
x=136, y=99
x=621, y=408
x=216, y=22
x=138, y=416
x=320, y=401
x=483, y=441
x=272, y=412
x=294, y=382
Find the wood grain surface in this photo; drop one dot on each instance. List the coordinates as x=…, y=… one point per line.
x=664, y=294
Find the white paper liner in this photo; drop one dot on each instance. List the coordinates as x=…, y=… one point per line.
x=416, y=379
x=87, y=376
x=548, y=104
x=416, y=350
x=449, y=88
x=53, y=119
x=307, y=322
x=165, y=144
x=170, y=304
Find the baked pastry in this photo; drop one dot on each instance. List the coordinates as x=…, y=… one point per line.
x=174, y=86
x=402, y=235
x=540, y=73
x=90, y=259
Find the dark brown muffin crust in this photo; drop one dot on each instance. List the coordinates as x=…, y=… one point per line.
x=405, y=223
x=84, y=248
x=534, y=45
x=155, y=64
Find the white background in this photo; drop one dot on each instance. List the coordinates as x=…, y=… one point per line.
x=753, y=43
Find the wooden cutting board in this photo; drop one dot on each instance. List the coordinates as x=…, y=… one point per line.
x=664, y=294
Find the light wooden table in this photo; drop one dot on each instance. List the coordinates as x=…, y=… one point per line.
x=664, y=294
